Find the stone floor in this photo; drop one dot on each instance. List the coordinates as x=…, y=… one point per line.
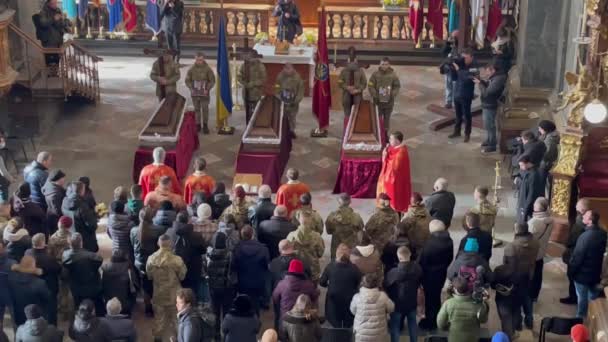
x=99, y=141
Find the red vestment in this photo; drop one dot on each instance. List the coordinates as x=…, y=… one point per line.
x=416, y=19
x=289, y=195
x=395, y=179
x=150, y=176
x=129, y=15
x=198, y=183
x=435, y=17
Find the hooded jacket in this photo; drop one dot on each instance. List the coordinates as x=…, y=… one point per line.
x=462, y=317
x=297, y=327
x=16, y=243
x=541, y=226
x=119, y=230
x=84, y=217
x=27, y=288
x=342, y=280
x=38, y=330
x=384, y=80
x=250, y=262
x=120, y=328
x=421, y=216
x=54, y=195
x=36, y=174
x=371, y=308
x=91, y=330
x=367, y=260
x=380, y=225
x=190, y=247
x=287, y=291
x=189, y=326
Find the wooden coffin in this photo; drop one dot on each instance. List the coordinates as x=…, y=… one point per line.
x=362, y=137
x=265, y=129
x=163, y=127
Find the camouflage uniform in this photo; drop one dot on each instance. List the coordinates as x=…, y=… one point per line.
x=255, y=84
x=420, y=233
x=380, y=226
x=201, y=73
x=290, y=89
x=317, y=220
x=240, y=213
x=172, y=75
x=487, y=214
x=384, y=88
x=359, y=82
x=310, y=246
x=343, y=225
x=166, y=271
x=58, y=243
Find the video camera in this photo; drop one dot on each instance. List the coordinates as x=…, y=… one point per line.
x=447, y=66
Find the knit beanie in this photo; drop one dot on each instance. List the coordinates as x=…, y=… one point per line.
x=65, y=222
x=471, y=245
x=56, y=175
x=296, y=267
x=579, y=333
x=500, y=337
x=203, y=211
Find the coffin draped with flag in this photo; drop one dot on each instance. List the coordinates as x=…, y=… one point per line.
x=321, y=98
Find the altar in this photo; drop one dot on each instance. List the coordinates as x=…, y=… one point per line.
x=302, y=58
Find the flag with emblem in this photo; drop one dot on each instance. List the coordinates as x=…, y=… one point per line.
x=152, y=16
x=321, y=98
x=223, y=93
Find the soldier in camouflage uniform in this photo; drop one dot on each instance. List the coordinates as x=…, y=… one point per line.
x=384, y=87
x=344, y=225
x=380, y=226
x=419, y=216
x=306, y=207
x=486, y=211
x=290, y=89
x=253, y=83
x=166, y=271
x=239, y=208
x=170, y=79
x=200, y=80
x=309, y=245
x=352, y=81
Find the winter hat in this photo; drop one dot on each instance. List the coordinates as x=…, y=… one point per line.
x=117, y=207
x=65, y=222
x=219, y=241
x=296, y=267
x=471, y=245
x=56, y=175
x=500, y=337
x=24, y=191
x=239, y=192
x=579, y=333
x=203, y=211
x=242, y=305
x=33, y=311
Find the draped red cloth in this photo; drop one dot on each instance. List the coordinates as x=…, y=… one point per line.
x=494, y=19
x=435, y=17
x=395, y=179
x=416, y=19
x=129, y=15
x=197, y=183
x=178, y=159
x=289, y=195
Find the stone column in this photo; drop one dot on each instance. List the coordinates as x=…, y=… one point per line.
x=7, y=74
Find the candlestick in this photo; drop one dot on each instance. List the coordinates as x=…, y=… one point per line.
x=335, y=53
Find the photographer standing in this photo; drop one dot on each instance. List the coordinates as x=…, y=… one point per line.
x=288, y=21
x=448, y=53
x=463, y=73
x=50, y=28
x=491, y=90
x=171, y=16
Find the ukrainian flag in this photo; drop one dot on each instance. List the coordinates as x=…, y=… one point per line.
x=223, y=93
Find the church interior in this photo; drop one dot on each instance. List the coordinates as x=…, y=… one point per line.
x=91, y=111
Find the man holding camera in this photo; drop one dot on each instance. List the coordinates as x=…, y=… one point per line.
x=463, y=73
x=50, y=28
x=491, y=90
x=172, y=22
x=288, y=20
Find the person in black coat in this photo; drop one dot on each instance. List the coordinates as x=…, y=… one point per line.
x=250, y=262
x=171, y=21
x=119, y=228
x=464, y=90
x=342, y=279
x=264, y=208
x=5, y=267
x=16, y=239
x=117, y=281
x=87, y=327
x=399, y=239
x=278, y=266
x=435, y=258
x=190, y=246
x=484, y=239
x=54, y=193
x=51, y=270
x=36, y=173
x=84, y=217
x=27, y=287
x=221, y=282
x=120, y=327
x=401, y=285
x=83, y=270
x=441, y=202
x=165, y=216
x=530, y=146
x=272, y=231
x=531, y=187
x=32, y=214
x=585, y=265
x=219, y=200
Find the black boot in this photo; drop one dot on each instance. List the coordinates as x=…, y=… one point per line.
x=205, y=129
x=456, y=134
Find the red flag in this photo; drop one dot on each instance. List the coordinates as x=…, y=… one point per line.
x=494, y=19
x=321, y=98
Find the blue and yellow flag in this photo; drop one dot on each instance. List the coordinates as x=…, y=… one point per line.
x=222, y=91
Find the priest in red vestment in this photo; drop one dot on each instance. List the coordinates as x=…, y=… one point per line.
x=151, y=174
x=395, y=179
x=199, y=181
x=289, y=194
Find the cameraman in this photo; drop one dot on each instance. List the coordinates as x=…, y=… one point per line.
x=172, y=23
x=288, y=20
x=50, y=28
x=463, y=72
x=491, y=90
x=448, y=53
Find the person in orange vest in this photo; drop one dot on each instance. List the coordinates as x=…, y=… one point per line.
x=150, y=175
x=199, y=181
x=289, y=193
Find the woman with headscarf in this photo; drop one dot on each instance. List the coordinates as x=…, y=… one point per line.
x=301, y=323
x=241, y=323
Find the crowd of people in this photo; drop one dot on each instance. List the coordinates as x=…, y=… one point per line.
x=216, y=260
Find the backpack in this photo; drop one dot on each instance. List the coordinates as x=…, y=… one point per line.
x=469, y=273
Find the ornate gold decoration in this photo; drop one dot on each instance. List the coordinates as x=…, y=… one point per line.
x=578, y=96
x=592, y=6
x=561, y=197
x=569, y=154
